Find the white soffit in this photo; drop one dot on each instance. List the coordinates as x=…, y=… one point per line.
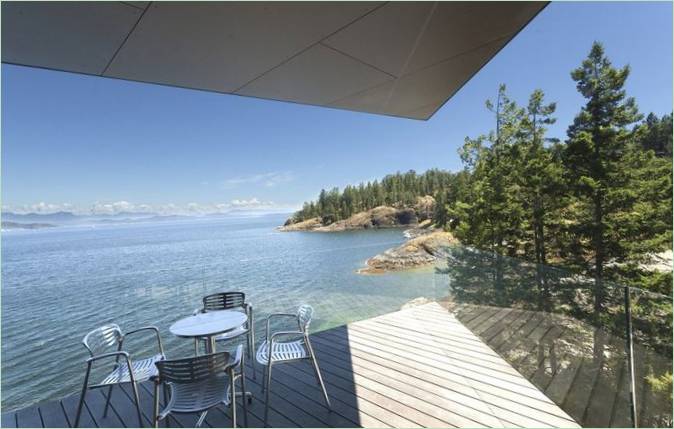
x=397, y=58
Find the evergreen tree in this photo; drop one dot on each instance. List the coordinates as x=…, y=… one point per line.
x=539, y=176
x=656, y=135
x=597, y=141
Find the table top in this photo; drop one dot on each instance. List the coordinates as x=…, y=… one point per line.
x=208, y=324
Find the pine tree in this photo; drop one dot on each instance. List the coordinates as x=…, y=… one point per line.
x=539, y=175
x=593, y=158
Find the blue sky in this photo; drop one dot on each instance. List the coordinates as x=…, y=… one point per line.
x=76, y=142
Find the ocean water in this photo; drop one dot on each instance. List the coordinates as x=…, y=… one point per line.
x=57, y=284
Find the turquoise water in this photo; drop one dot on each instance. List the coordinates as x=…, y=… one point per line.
x=59, y=283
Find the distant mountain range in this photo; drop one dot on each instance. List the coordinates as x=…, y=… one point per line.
x=25, y=220
x=16, y=225
x=66, y=218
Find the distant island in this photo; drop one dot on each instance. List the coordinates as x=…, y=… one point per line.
x=17, y=225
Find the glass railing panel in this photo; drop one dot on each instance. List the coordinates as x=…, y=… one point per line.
x=566, y=334
x=652, y=352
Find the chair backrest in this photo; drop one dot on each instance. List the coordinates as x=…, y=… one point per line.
x=100, y=339
x=304, y=314
x=224, y=301
x=199, y=368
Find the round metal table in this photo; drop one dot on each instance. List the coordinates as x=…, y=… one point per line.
x=208, y=325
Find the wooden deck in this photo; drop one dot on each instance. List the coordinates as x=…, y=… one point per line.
x=419, y=367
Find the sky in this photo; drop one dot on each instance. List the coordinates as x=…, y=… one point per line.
x=82, y=144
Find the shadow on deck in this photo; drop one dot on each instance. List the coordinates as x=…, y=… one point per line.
x=419, y=367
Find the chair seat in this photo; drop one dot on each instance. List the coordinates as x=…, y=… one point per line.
x=143, y=370
x=195, y=397
x=282, y=351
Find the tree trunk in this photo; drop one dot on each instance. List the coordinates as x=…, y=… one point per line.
x=598, y=244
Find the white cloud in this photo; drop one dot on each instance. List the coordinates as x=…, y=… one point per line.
x=113, y=208
x=268, y=180
x=192, y=208
x=40, y=207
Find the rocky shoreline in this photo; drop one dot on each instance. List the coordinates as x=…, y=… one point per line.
x=425, y=244
x=424, y=249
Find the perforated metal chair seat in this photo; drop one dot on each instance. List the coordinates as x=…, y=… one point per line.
x=194, y=397
x=282, y=351
x=143, y=370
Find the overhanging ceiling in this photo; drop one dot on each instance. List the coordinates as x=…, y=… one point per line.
x=393, y=58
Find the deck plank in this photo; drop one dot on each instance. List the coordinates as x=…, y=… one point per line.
x=53, y=415
x=29, y=417
x=96, y=403
x=8, y=420
x=454, y=388
x=70, y=407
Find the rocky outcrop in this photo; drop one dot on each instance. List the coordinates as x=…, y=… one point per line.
x=416, y=252
x=416, y=302
x=425, y=207
x=378, y=217
x=306, y=225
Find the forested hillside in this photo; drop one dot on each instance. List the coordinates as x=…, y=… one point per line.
x=599, y=202
x=395, y=190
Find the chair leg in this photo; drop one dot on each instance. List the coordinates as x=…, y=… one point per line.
x=251, y=352
x=155, y=406
x=251, y=335
x=79, y=408
x=264, y=378
x=166, y=401
x=244, y=397
x=107, y=401
x=137, y=401
x=266, y=393
x=85, y=386
x=202, y=417
x=232, y=401
x=320, y=381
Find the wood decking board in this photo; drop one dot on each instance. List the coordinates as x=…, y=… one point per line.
x=450, y=375
x=423, y=377
x=29, y=418
x=417, y=367
x=8, y=420
x=463, y=398
x=605, y=390
x=460, y=370
x=53, y=416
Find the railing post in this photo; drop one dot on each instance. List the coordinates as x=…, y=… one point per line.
x=630, y=355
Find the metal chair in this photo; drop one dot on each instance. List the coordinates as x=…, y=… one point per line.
x=272, y=351
x=229, y=301
x=197, y=384
x=101, y=339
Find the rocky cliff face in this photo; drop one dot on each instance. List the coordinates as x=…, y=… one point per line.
x=378, y=217
x=306, y=225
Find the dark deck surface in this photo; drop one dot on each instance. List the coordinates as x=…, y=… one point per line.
x=419, y=367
